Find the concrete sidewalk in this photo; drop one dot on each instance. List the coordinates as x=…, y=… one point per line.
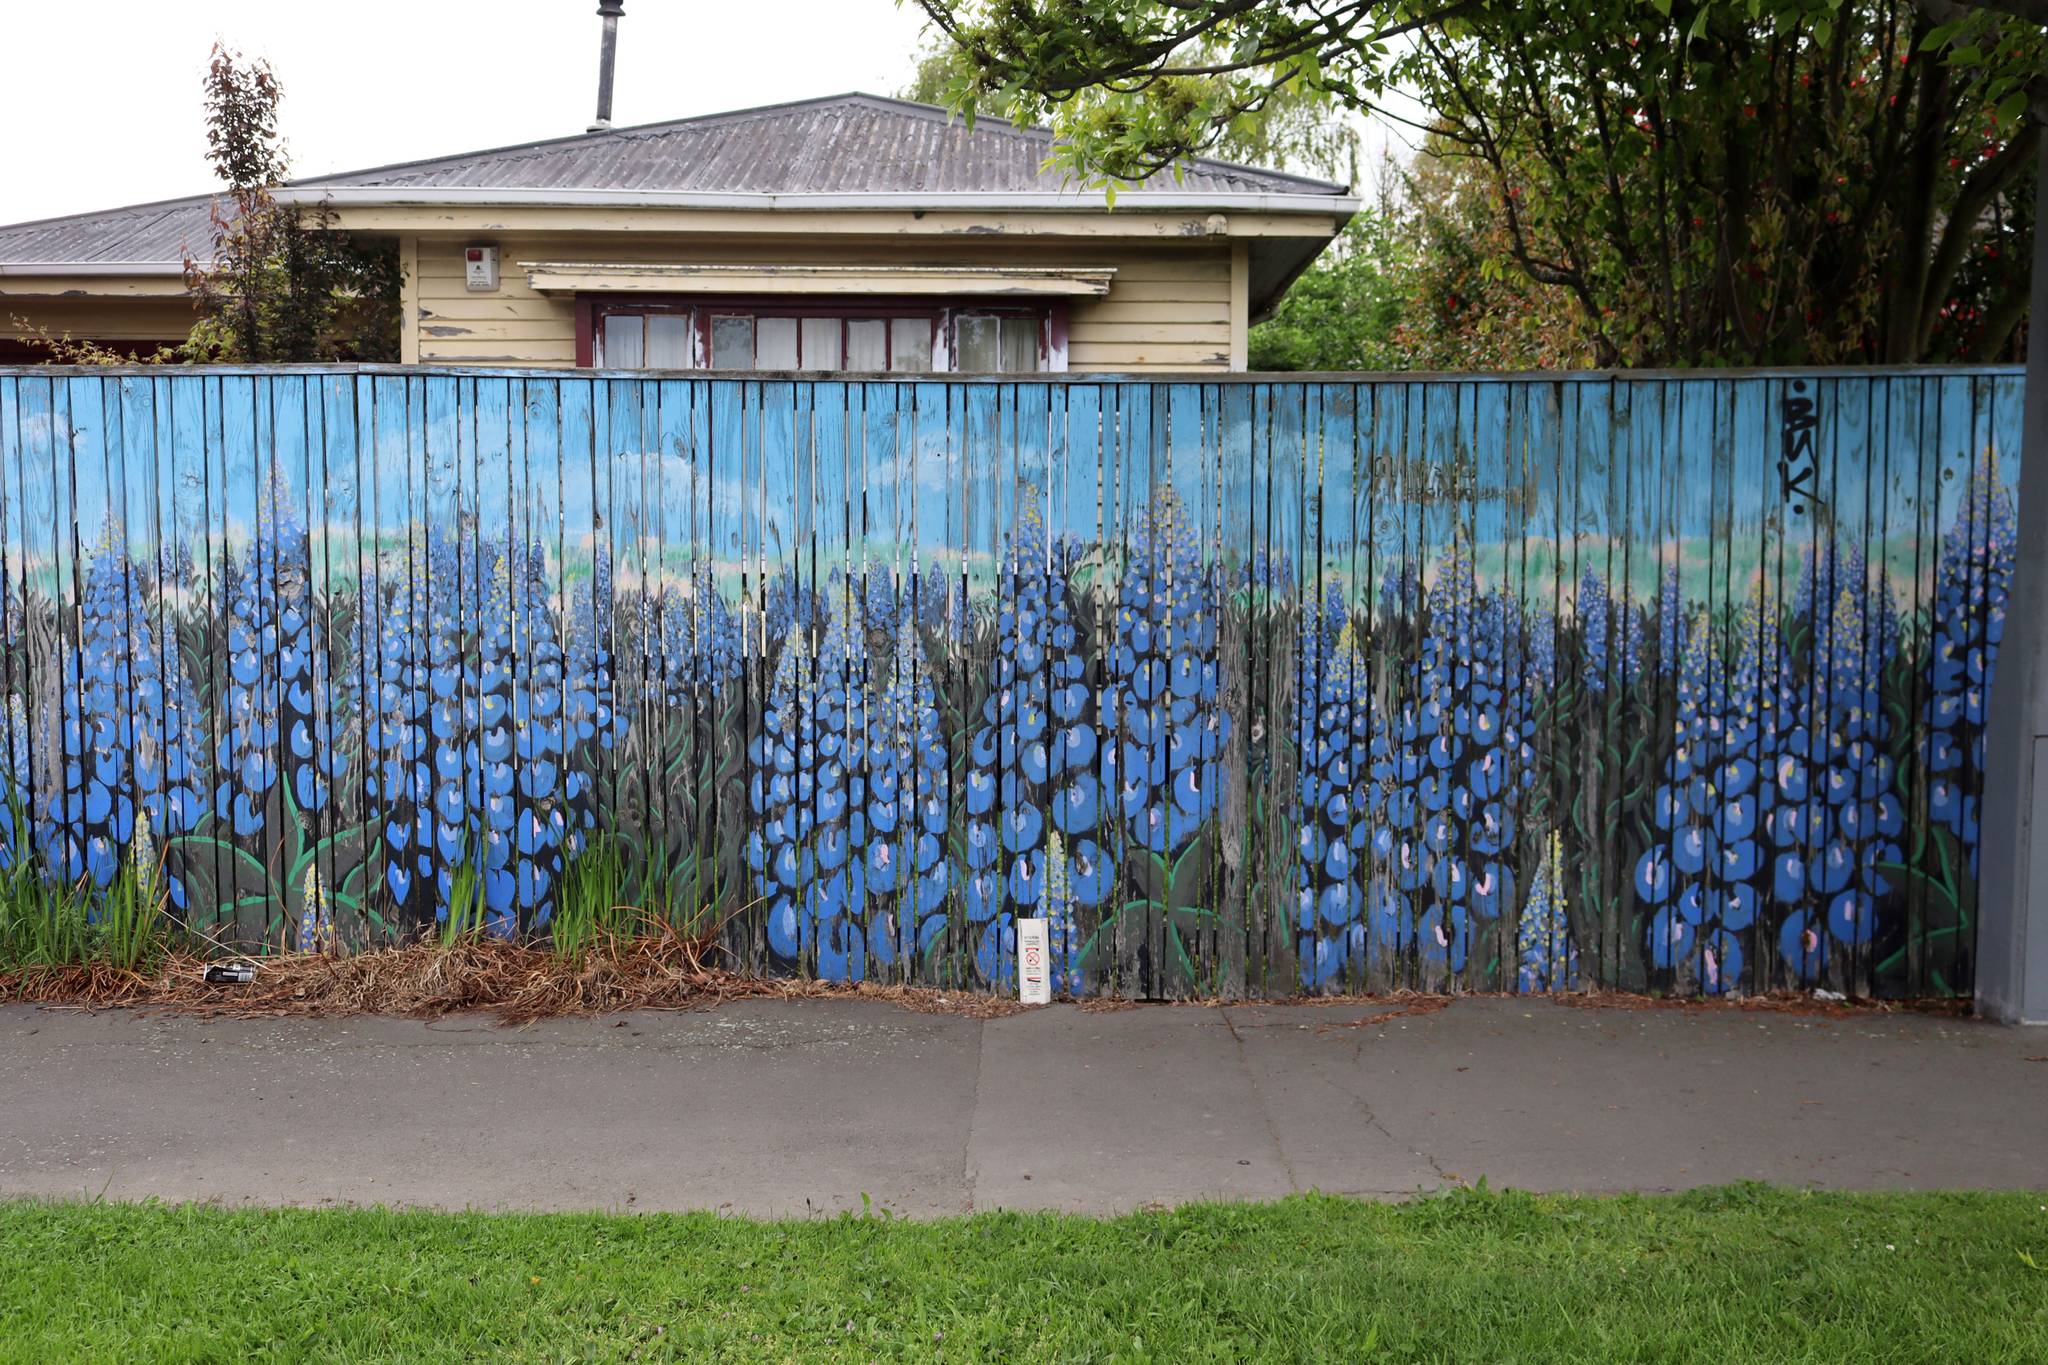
x=781, y=1108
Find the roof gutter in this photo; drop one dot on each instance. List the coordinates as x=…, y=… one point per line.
x=157, y=268
x=1066, y=201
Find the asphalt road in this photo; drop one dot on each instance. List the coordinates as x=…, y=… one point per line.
x=788, y=1108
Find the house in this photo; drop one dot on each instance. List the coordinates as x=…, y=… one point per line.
x=851, y=232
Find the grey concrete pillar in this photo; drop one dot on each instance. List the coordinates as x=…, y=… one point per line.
x=2012, y=902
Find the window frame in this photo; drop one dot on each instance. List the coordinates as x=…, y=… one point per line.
x=942, y=314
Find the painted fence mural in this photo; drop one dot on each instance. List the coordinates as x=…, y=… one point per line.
x=1670, y=683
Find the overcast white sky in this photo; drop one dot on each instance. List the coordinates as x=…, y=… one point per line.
x=104, y=106
x=104, y=95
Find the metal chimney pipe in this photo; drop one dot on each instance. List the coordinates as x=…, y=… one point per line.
x=609, y=10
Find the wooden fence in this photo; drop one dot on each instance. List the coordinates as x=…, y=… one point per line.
x=1669, y=682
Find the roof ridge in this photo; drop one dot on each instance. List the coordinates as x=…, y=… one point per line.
x=515, y=152
x=521, y=150
x=1036, y=132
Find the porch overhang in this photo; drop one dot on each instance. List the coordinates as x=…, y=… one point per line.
x=600, y=277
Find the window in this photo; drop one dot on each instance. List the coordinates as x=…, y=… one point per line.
x=867, y=344
x=732, y=342
x=668, y=341
x=625, y=345
x=824, y=347
x=647, y=340
x=775, y=344
x=863, y=337
x=910, y=345
x=996, y=343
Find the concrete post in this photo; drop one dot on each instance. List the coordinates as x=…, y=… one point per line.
x=2012, y=903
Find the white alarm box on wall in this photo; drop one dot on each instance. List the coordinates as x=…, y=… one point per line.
x=480, y=267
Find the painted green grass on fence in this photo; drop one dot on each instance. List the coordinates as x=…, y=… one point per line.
x=1744, y=1273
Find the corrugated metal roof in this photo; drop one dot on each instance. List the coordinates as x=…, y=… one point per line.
x=843, y=144
x=146, y=234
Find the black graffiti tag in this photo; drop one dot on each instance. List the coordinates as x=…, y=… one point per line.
x=1797, y=468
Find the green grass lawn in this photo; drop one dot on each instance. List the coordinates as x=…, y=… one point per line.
x=1739, y=1274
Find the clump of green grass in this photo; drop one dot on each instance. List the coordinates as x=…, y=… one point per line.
x=467, y=907
x=47, y=921
x=1750, y=1273
x=591, y=905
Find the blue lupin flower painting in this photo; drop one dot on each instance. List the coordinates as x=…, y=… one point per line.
x=1831, y=810
x=277, y=731
x=457, y=610
x=1611, y=633
x=1170, y=725
x=1033, y=784
x=1333, y=730
x=595, y=726
x=1269, y=574
x=1674, y=624
x=516, y=744
x=808, y=793
x=789, y=610
x=1453, y=768
x=1696, y=882
x=908, y=873
x=700, y=645
x=1165, y=726
x=461, y=693
x=592, y=718
x=1971, y=583
x=393, y=674
x=131, y=736
x=880, y=598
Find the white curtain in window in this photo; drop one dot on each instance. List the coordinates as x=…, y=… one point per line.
x=668, y=341
x=625, y=345
x=775, y=344
x=910, y=345
x=974, y=344
x=1018, y=349
x=821, y=345
x=867, y=344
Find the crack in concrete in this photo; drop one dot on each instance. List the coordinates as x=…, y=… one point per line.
x=967, y=1170
x=1375, y=1122
x=1379, y=1126
x=1265, y=1109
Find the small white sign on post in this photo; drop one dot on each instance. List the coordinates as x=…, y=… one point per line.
x=1034, y=953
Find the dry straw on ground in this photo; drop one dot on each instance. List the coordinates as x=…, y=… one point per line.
x=514, y=982
x=519, y=983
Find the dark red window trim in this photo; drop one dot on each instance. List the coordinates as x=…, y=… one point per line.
x=942, y=310
x=586, y=331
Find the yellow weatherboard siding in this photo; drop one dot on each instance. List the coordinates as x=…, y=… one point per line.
x=96, y=316
x=1169, y=305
